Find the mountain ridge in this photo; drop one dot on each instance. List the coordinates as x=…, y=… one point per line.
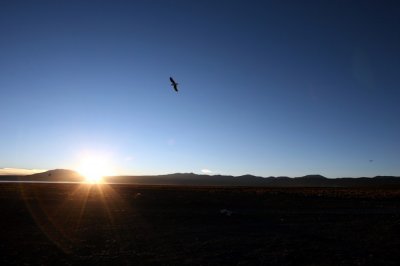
x=192, y=179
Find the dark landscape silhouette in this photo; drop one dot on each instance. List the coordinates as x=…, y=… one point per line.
x=134, y=224
x=191, y=179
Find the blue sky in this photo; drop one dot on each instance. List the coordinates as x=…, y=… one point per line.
x=266, y=87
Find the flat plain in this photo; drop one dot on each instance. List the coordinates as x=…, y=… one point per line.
x=81, y=224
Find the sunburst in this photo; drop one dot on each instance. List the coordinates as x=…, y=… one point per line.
x=94, y=167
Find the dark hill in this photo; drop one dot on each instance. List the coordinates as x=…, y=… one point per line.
x=312, y=177
x=191, y=179
x=250, y=180
x=57, y=175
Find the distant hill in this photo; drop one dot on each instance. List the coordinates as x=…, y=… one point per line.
x=57, y=175
x=251, y=180
x=191, y=179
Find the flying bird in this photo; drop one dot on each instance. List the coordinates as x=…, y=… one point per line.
x=174, y=84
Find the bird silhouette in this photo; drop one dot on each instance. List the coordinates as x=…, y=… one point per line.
x=174, y=84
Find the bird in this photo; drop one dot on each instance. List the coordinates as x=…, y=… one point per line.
x=174, y=84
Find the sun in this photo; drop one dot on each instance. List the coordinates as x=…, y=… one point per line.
x=94, y=167
x=91, y=174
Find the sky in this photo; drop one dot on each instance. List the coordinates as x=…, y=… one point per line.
x=270, y=88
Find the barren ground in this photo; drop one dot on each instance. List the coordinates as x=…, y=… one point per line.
x=70, y=224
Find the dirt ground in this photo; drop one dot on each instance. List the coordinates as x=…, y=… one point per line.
x=80, y=224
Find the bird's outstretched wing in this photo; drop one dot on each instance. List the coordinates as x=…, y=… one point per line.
x=172, y=80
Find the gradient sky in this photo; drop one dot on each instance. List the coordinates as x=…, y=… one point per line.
x=266, y=87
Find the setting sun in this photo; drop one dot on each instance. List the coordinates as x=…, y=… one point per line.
x=91, y=174
x=94, y=167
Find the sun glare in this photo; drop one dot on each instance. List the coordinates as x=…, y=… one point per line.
x=94, y=167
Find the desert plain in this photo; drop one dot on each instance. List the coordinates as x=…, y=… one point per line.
x=85, y=224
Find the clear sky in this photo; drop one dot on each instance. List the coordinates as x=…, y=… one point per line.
x=266, y=87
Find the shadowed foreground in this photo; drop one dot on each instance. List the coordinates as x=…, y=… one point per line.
x=66, y=224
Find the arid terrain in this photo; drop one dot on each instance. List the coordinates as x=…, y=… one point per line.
x=80, y=224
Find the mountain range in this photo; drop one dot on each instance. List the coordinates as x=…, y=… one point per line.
x=191, y=179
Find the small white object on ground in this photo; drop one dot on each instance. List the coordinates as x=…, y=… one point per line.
x=226, y=212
